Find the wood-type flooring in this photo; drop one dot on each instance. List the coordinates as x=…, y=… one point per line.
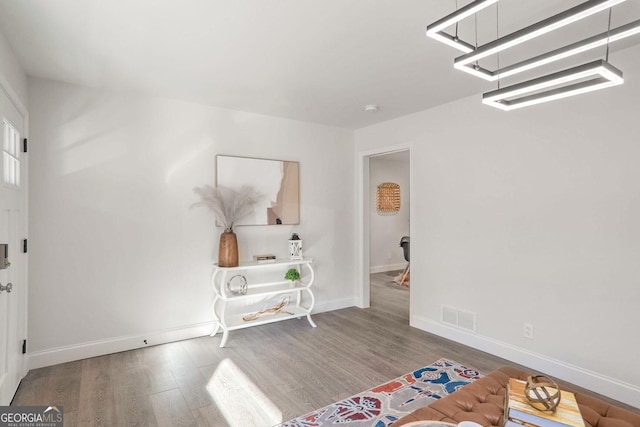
x=264, y=375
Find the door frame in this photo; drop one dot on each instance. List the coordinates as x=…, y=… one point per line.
x=363, y=296
x=23, y=330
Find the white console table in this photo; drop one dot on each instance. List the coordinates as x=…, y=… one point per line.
x=260, y=286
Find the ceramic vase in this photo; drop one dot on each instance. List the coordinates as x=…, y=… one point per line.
x=228, y=249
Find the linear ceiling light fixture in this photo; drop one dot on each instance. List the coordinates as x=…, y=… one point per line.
x=435, y=30
x=601, y=39
x=567, y=17
x=601, y=74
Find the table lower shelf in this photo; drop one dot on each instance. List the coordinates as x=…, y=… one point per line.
x=236, y=322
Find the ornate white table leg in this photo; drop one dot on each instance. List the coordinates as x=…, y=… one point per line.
x=311, y=322
x=313, y=302
x=216, y=329
x=215, y=316
x=225, y=336
x=310, y=292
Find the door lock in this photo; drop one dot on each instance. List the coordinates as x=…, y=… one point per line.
x=4, y=256
x=6, y=288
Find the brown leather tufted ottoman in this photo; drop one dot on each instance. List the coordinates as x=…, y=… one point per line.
x=482, y=401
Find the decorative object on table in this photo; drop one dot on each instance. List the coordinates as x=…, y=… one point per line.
x=295, y=247
x=278, y=180
x=292, y=274
x=269, y=311
x=228, y=249
x=542, y=393
x=388, y=198
x=519, y=410
x=237, y=285
x=228, y=207
x=264, y=258
x=386, y=403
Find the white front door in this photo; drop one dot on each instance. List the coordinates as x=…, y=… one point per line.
x=13, y=292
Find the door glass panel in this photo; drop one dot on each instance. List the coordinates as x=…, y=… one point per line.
x=11, y=154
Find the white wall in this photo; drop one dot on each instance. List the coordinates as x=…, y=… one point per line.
x=116, y=253
x=12, y=76
x=532, y=216
x=386, y=230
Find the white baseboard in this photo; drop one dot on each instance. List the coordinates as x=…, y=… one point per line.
x=53, y=356
x=388, y=267
x=335, y=304
x=602, y=384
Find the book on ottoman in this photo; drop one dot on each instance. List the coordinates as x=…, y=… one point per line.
x=519, y=412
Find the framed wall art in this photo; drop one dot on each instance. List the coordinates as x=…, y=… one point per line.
x=277, y=180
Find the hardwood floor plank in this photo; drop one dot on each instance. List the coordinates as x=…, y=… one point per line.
x=171, y=410
x=97, y=404
x=189, y=379
x=32, y=390
x=239, y=399
x=202, y=351
x=157, y=369
x=209, y=416
x=64, y=386
x=71, y=419
x=131, y=396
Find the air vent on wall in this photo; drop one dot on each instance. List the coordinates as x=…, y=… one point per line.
x=459, y=318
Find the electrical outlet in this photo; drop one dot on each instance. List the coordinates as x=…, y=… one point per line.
x=528, y=331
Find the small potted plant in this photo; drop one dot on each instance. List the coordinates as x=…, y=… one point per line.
x=294, y=275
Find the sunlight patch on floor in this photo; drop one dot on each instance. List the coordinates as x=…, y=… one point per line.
x=240, y=401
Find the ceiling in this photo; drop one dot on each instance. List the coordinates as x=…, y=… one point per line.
x=309, y=60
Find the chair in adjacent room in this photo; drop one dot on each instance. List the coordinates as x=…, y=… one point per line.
x=405, y=244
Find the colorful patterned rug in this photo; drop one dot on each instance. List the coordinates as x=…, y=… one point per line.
x=382, y=405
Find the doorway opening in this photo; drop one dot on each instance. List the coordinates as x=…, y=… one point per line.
x=384, y=224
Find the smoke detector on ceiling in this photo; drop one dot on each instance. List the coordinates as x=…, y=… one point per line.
x=371, y=108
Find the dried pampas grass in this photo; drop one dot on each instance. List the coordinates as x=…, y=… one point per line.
x=227, y=205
